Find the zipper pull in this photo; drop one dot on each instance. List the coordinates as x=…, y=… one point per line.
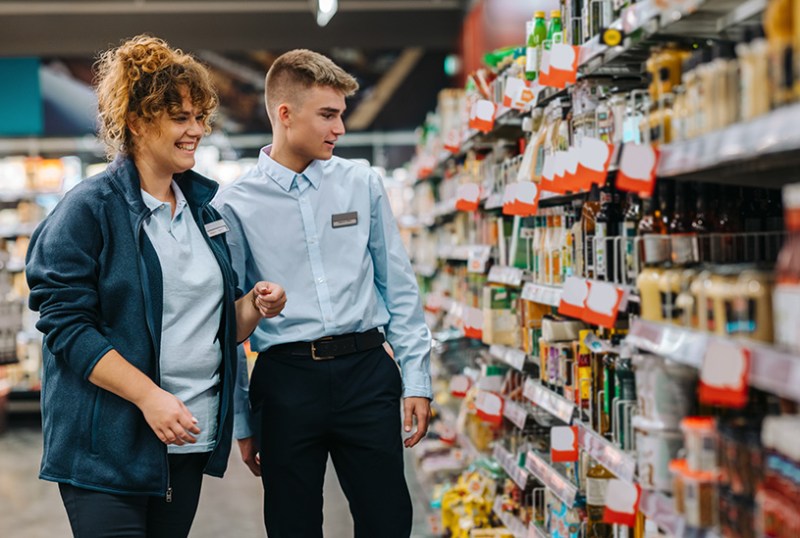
x=169, y=494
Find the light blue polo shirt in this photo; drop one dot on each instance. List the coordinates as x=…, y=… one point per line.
x=190, y=352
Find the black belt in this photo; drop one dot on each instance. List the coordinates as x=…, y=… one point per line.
x=330, y=347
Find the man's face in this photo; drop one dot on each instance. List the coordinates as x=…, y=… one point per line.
x=315, y=122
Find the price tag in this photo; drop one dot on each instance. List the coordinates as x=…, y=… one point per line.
x=549, y=401
x=467, y=197
x=725, y=374
x=489, y=407
x=571, y=169
x=460, y=385
x=622, y=502
x=483, y=116
x=515, y=358
x=602, y=304
x=637, y=169
x=561, y=67
x=573, y=298
x=521, y=199
x=563, y=444
x=594, y=160
x=452, y=141
x=478, y=258
x=433, y=303
x=515, y=413
x=501, y=274
x=559, y=169
x=473, y=322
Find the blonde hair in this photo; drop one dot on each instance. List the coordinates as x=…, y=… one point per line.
x=302, y=69
x=146, y=76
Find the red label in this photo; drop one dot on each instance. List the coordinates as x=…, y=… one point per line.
x=725, y=374
x=637, y=169
x=564, y=444
x=622, y=502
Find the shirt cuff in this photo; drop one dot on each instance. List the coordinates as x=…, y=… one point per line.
x=242, y=428
x=418, y=392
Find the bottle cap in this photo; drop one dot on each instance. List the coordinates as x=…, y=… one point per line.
x=539, y=15
x=555, y=14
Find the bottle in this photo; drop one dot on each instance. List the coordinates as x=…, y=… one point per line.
x=597, y=480
x=630, y=225
x=533, y=51
x=653, y=228
x=786, y=298
x=583, y=389
x=588, y=219
x=555, y=31
x=555, y=249
x=607, y=226
x=682, y=237
x=703, y=223
x=567, y=252
x=729, y=222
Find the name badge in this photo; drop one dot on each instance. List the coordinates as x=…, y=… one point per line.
x=344, y=219
x=217, y=227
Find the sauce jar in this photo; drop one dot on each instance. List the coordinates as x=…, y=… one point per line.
x=700, y=439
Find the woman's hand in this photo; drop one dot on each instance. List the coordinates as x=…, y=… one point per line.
x=269, y=299
x=168, y=417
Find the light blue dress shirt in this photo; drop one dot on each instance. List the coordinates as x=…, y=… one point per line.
x=190, y=352
x=338, y=279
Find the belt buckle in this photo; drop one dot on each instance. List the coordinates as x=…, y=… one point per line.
x=314, y=350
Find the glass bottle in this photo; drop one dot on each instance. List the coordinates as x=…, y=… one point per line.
x=588, y=220
x=597, y=480
x=630, y=225
x=607, y=226
x=682, y=237
x=703, y=223
x=786, y=298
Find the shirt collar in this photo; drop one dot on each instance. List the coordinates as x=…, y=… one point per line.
x=154, y=203
x=284, y=176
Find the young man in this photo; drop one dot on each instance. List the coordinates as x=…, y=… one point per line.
x=323, y=382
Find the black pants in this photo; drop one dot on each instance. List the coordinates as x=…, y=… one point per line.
x=348, y=407
x=94, y=514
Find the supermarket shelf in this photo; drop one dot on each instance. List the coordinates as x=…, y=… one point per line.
x=732, y=150
x=513, y=357
x=513, y=524
x=660, y=509
x=548, y=475
x=771, y=369
x=556, y=405
x=613, y=458
x=515, y=413
x=508, y=462
x=542, y=294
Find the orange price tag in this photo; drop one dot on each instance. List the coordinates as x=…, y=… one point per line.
x=563, y=444
x=452, y=142
x=489, y=407
x=560, y=67
x=622, y=502
x=602, y=304
x=483, y=116
x=459, y=385
x=637, y=169
x=473, y=323
x=595, y=158
x=573, y=298
x=521, y=199
x=725, y=374
x=468, y=196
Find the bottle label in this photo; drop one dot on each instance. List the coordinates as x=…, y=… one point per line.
x=684, y=248
x=600, y=234
x=669, y=308
x=596, y=491
x=531, y=60
x=629, y=234
x=740, y=316
x=787, y=315
x=656, y=248
x=558, y=38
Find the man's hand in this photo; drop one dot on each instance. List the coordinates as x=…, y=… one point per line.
x=250, y=455
x=419, y=408
x=168, y=417
x=269, y=299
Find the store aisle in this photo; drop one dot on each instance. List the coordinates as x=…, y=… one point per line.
x=231, y=507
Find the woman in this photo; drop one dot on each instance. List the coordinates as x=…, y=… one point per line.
x=132, y=279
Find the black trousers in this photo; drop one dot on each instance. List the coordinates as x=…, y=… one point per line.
x=94, y=514
x=348, y=407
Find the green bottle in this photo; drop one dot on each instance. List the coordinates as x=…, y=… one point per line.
x=555, y=32
x=535, y=41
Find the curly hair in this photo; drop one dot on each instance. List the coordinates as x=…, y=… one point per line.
x=301, y=69
x=146, y=76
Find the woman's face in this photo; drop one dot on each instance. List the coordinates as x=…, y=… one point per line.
x=168, y=143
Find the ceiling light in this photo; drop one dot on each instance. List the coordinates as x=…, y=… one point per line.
x=326, y=9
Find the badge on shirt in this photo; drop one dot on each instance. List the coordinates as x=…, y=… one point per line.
x=217, y=227
x=344, y=219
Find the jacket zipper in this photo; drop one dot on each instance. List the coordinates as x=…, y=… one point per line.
x=152, y=331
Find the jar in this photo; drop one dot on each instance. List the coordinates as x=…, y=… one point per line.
x=722, y=289
x=656, y=446
x=700, y=439
x=650, y=298
x=699, y=288
x=700, y=498
x=748, y=310
x=665, y=391
x=669, y=285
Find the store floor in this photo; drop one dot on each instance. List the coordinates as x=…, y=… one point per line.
x=231, y=507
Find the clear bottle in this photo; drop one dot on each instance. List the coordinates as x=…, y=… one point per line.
x=588, y=221
x=607, y=225
x=682, y=237
x=630, y=225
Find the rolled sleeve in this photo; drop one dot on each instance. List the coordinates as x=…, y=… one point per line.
x=406, y=331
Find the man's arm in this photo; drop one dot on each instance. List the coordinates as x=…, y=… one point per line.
x=407, y=332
